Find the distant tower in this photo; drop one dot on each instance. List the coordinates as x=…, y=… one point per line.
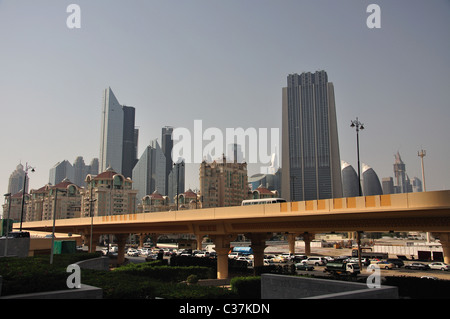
x=311, y=166
x=149, y=172
x=118, y=136
x=350, y=183
x=15, y=183
x=166, y=146
x=371, y=182
x=400, y=184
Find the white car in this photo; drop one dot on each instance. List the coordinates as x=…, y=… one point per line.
x=316, y=261
x=132, y=253
x=439, y=266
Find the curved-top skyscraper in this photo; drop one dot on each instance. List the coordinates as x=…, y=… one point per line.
x=370, y=181
x=350, y=183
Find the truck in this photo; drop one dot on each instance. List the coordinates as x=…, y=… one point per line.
x=344, y=268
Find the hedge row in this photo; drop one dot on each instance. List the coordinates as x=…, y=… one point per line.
x=165, y=273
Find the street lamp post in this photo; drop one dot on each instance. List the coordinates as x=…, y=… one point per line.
x=177, y=165
x=359, y=126
x=23, y=191
x=54, y=221
x=7, y=223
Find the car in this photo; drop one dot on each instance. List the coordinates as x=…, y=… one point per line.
x=247, y=259
x=396, y=261
x=417, y=266
x=439, y=266
x=386, y=265
x=288, y=256
x=202, y=254
x=304, y=266
x=298, y=258
x=132, y=253
x=316, y=261
x=279, y=259
x=234, y=255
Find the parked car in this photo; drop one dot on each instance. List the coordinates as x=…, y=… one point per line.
x=439, y=266
x=386, y=265
x=132, y=253
x=247, y=259
x=304, y=266
x=298, y=258
x=396, y=261
x=202, y=254
x=417, y=266
x=316, y=261
x=279, y=259
x=234, y=255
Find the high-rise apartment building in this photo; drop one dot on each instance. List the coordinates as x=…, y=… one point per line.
x=118, y=136
x=149, y=172
x=109, y=193
x=311, y=167
x=223, y=184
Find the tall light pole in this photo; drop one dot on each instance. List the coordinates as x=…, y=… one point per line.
x=23, y=191
x=7, y=223
x=177, y=165
x=54, y=222
x=359, y=126
x=422, y=154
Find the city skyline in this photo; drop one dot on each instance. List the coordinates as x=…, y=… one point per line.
x=226, y=64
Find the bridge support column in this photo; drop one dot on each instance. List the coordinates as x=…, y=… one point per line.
x=199, y=239
x=307, y=237
x=121, y=240
x=291, y=241
x=258, y=246
x=222, y=247
x=444, y=239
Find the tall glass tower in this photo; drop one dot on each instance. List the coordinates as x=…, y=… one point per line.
x=311, y=167
x=118, y=136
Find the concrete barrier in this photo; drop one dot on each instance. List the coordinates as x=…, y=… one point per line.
x=290, y=287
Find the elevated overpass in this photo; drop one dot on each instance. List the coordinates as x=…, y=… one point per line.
x=427, y=212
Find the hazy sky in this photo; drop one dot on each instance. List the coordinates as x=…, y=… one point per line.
x=223, y=62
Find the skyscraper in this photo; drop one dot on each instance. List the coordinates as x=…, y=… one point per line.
x=371, y=183
x=15, y=183
x=118, y=136
x=167, y=145
x=149, y=172
x=311, y=167
x=400, y=185
x=350, y=182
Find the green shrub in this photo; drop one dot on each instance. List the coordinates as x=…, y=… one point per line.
x=165, y=273
x=247, y=287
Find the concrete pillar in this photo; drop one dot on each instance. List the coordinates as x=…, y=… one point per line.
x=154, y=238
x=121, y=240
x=444, y=239
x=222, y=247
x=258, y=246
x=291, y=241
x=199, y=239
x=307, y=237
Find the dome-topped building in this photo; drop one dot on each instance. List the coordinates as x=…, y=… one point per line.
x=370, y=181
